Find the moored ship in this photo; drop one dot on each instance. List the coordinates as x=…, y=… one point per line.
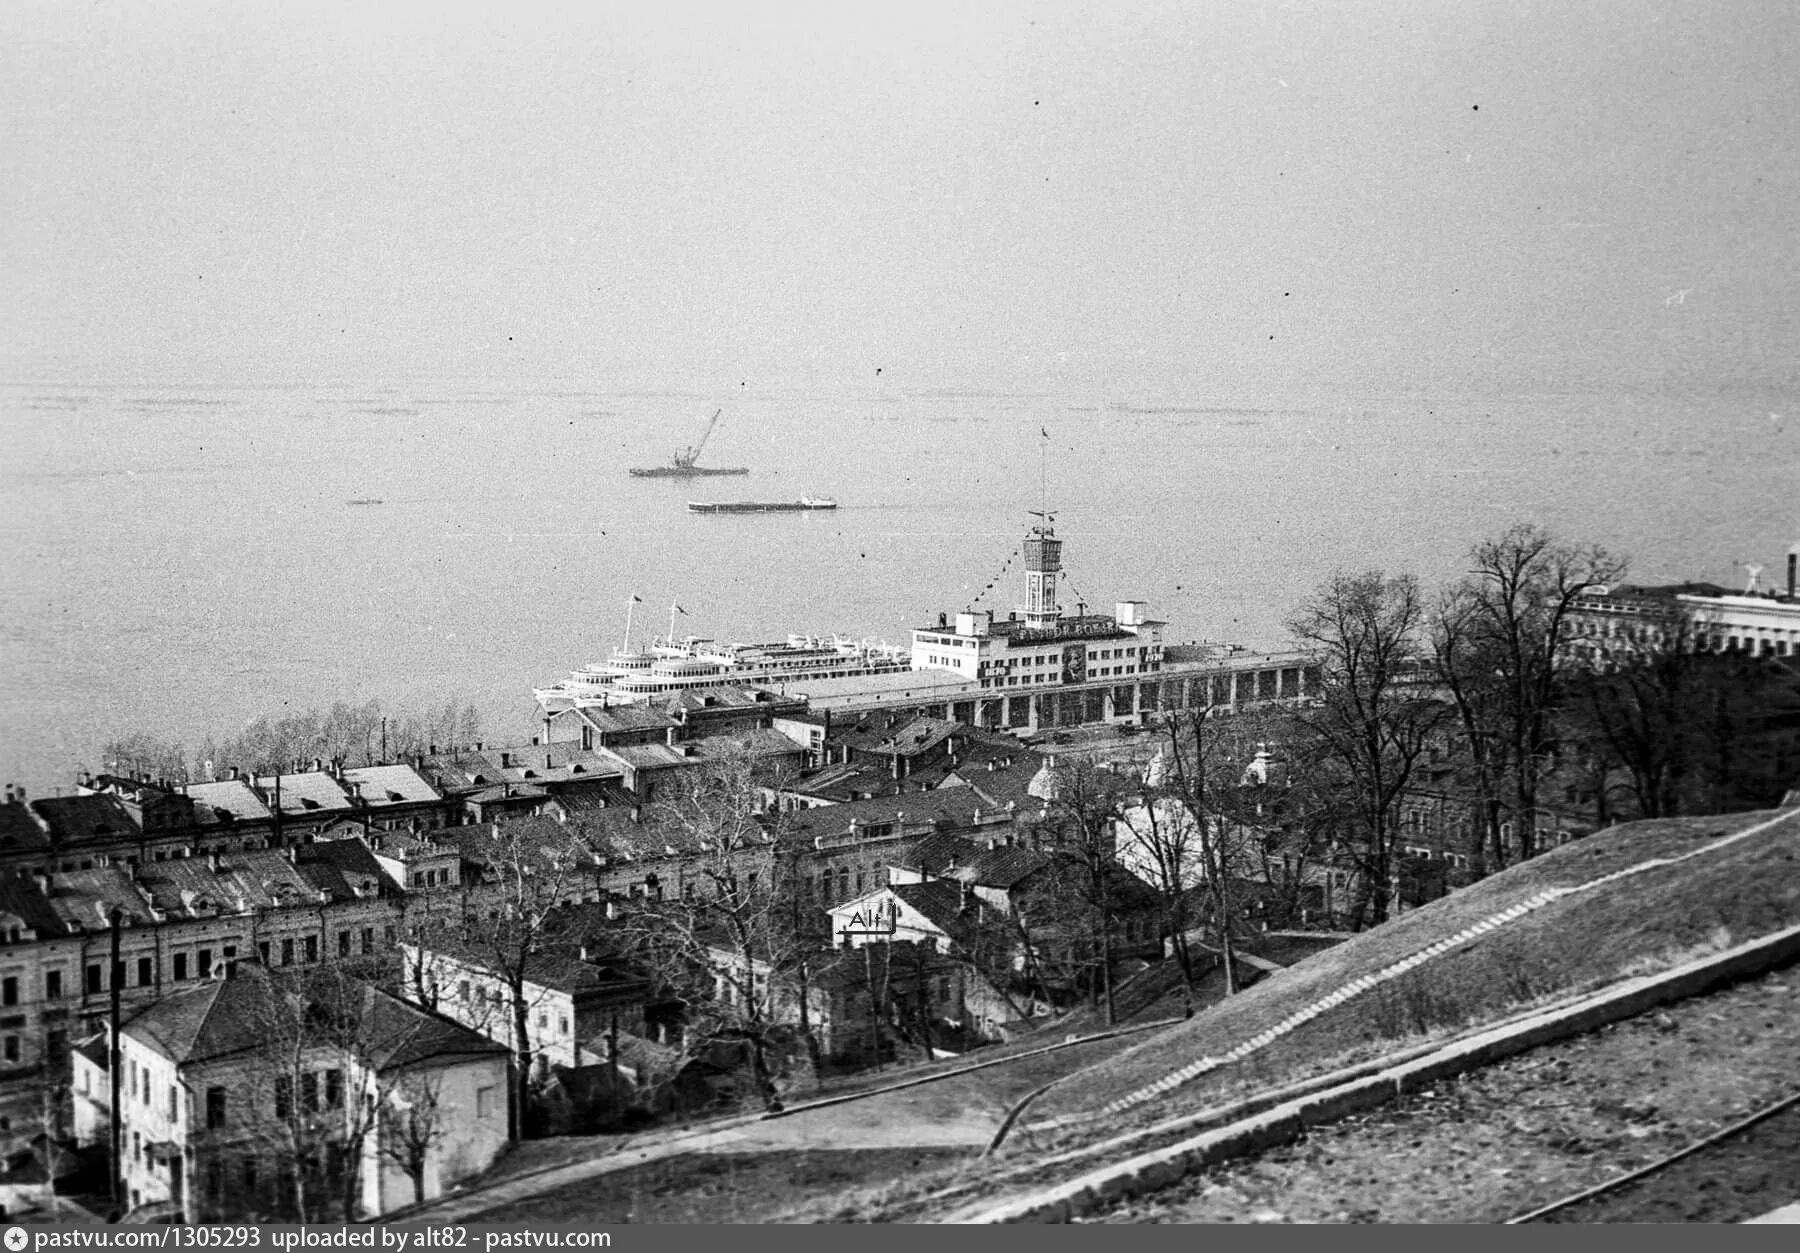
x=805, y=504
x=671, y=665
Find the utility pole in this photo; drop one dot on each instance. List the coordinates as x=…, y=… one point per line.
x=115, y=977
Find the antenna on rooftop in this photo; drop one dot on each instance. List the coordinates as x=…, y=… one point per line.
x=1755, y=583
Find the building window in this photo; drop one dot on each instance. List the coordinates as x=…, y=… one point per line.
x=9, y=990
x=284, y=1096
x=53, y=985
x=368, y=940
x=215, y=1108
x=309, y=1093
x=174, y=1109
x=312, y=949
x=12, y=1048
x=262, y=949
x=230, y=961
x=334, y=1089
x=94, y=981
x=203, y=959
x=484, y=1102
x=287, y=952
x=343, y=944
x=146, y=972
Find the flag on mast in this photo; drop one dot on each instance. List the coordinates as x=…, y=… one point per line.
x=636, y=599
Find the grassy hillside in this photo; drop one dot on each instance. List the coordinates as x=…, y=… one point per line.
x=1637, y=924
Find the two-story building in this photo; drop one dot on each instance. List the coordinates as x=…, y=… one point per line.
x=230, y=1090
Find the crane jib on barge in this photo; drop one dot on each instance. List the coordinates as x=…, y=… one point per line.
x=682, y=466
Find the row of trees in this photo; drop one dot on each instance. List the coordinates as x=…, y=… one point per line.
x=344, y=734
x=1487, y=685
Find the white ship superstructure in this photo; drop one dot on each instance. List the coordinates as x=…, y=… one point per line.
x=673, y=665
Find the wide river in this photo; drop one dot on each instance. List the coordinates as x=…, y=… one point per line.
x=180, y=559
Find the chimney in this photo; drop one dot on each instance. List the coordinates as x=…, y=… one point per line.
x=962, y=897
x=669, y=737
x=318, y=764
x=212, y=861
x=1793, y=562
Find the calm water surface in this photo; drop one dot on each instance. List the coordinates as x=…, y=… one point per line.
x=182, y=559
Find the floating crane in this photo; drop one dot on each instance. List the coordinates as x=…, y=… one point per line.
x=682, y=466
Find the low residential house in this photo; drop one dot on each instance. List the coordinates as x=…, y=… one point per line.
x=568, y=998
x=237, y=1095
x=861, y=998
x=994, y=868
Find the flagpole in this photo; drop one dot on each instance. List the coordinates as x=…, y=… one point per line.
x=629, y=606
x=1044, y=475
x=674, y=608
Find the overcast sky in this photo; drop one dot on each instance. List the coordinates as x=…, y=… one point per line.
x=1182, y=196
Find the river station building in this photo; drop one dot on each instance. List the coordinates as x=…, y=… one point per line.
x=1040, y=669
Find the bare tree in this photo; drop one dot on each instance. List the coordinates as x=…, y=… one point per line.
x=139, y=753
x=1472, y=674
x=1082, y=814
x=312, y=1079
x=1693, y=732
x=1214, y=830
x=1162, y=837
x=532, y=868
x=412, y=1126
x=1373, y=721
x=1515, y=616
x=732, y=934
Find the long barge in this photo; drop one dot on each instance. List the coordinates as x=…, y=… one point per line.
x=805, y=504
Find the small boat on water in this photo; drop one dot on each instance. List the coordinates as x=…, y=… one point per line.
x=805, y=504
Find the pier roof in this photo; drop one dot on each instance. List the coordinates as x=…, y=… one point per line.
x=872, y=689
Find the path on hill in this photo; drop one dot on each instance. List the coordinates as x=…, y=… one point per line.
x=958, y=1111
x=1504, y=1140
